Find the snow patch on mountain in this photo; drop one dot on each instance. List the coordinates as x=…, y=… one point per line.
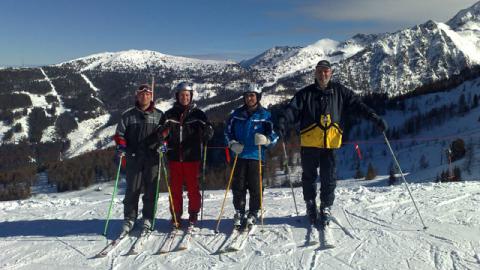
x=86, y=136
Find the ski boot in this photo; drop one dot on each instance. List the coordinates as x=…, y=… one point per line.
x=325, y=216
x=251, y=219
x=238, y=219
x=147, y=225
x=127, y=226
x=192, y=220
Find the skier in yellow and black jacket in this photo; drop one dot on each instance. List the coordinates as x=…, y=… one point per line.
x=319, y=107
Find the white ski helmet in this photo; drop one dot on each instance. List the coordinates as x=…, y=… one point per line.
x=253, y=88
x=184, y=86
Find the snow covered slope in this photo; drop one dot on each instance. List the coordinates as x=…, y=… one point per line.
x=141, y=60
x=63, y=231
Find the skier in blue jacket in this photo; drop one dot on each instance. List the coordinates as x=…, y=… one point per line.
x=247, y=128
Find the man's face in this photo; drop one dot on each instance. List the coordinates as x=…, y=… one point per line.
x=144, y=98
x=323, y=75
x=250, y=99
x=184, y=97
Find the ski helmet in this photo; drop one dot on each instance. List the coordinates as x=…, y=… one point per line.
x=253, y=88
x=184, y=86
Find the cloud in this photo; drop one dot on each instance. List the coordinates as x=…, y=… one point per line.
x=403, y=11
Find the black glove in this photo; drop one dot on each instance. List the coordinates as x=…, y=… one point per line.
x=281, y=127
x=380, y=123
x=207, y=133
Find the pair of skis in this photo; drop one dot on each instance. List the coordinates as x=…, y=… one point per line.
x=139, y=243
x=323, y=237
x=169, y=243
x=136, y=247
x=237, y=239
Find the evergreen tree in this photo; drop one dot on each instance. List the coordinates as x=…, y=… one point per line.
x=392, y=178
x=371, y=172
x=423, y=162
x=358, y=173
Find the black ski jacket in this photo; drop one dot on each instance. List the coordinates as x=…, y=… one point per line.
x=184, y=130
x=135, y=126
x=319, y=113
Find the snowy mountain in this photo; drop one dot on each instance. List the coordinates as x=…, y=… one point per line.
x=282, y=62
x=393, y=63
x=400, y=62
x=142, y=60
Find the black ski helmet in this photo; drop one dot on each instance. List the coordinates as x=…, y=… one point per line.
x=253, y=88
x=184, y=86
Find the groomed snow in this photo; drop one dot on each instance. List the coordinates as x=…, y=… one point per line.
x=63, y=231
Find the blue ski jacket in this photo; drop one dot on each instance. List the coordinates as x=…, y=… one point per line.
x=242, y=127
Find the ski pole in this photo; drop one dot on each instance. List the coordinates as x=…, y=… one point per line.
x=113, y=194
x=157, y=188
x=288, y=176
x=403, y=178
x=162, y=158
x=203, y=180
x=260, y=180
x=226, y=192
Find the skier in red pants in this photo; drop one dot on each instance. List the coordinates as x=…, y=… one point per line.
x=186, y=129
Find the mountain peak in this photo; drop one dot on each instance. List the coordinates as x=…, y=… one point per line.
x=139, y=59
x=465, y=16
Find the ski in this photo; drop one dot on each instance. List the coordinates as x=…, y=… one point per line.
x=312, y=236
x=239, y=243
x=326, y=238
x=111, y=246
x=230, y=239
x=139, y=243
x=166, y=247
x=187, y=237
x=345, y=230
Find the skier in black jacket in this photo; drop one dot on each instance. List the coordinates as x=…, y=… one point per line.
x=136, y=124
x=186, y=130
x=319, y=107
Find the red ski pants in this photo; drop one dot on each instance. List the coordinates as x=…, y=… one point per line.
x=185, y=173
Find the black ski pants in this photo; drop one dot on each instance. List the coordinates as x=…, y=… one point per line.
x=246, y=176
x=312, y=158
x=142, y=172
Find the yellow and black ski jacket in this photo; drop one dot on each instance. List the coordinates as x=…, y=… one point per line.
x=319, y=113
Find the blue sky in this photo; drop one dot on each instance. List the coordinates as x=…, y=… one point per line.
x=37, y=32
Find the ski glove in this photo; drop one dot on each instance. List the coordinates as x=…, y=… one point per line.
x=380, y=123
x=162, y=148
x=208, y=133
x=261, y=139
x=120, y=151
x=236, y=147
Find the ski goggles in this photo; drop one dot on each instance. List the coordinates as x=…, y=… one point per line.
x=144, y=88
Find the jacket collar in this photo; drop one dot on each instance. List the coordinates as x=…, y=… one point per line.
x=326, y=91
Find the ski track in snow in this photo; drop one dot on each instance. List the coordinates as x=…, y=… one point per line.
x=63, y=230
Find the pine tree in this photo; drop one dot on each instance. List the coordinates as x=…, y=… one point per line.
x=392, y=179
x=358, y=173
x=423, y=162
x=457, y=174
x=371, y=172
